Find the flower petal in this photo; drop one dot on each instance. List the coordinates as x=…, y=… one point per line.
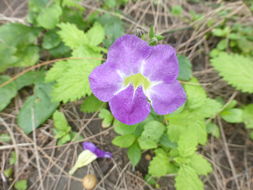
x=167, y=98
x=105, y=81
x=128, y=52
x=130, y=106
x=162, y=64
x=98, y=152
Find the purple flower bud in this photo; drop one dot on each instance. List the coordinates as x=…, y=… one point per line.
x=98, y=152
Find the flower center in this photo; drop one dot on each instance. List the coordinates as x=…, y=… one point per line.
x=137, y=80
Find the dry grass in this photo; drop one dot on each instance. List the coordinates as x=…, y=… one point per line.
x=46, y=165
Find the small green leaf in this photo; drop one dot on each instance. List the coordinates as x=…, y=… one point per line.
x=248, y=116
x=13, y=158
x=60, y=122
x=187, y=179
x=64, y=139
x=51, y=40
x=107, y=118
x=153, y=131
x=92, y=104
x=187, y=143
x=7, y=92
x=185, y=68
x=123, y=129
x=96, y=34
x=124, y=141
x=134, y=154
x=200, y=164
x=8, y=172
x=21, y=185
x=176, y=10
x=160, y=164
x=233, y=115
x=49, y=16
x=213, y=129
x=37, y=108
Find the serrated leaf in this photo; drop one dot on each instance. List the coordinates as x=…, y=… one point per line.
x=187, y=143
x=153, y=131
x=51, y=40
x=37, y=108
x=187, y=179
x=7, y=92
x=92, y=104
x=160, y=164
x=234, y=115
x=49, y=16
x=96, y=34
x=200, y=164
x=72, y=36
x=107, y=118
x=196, y=95
x=134, y=154
x=236, y=70
x=56, y=72
x=248, y=116
x=21, y=185
x=124, y=141
x=185, y=68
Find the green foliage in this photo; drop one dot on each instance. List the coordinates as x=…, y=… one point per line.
x=248, y=116
x=185, y=68
x=200, y=165
x=73, y=83
x=151, y=134
x=4, y=138
x=123, y=129
x=92, y=104
x=37, y=108
x=51, y=40
x=21, y=185
x=213, y=129
x=236, y=70
x=62, y=130
x=176, y=10
x=134, y=154
x=7, y=92
x=107, y=118
x=233, y=115
x=49, y=16
x=17, y=46
x=187, y=143
x=160, y=164
x=124, y=141
x=13, y=158
x=187, y=179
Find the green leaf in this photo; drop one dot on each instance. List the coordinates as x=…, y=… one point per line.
x=51, y=40
x=92, y=104
x=60, y=122
x=21, y=185
x=8, y=172
x=124, y=141
x=134, y=154
x=234, y=115
x=123, y=129
x=160, y=164
x=185, y=68
x=176, y=10
x=187, y=179
x=64, y=139
x=36, y=109
x=213, y=129
x=248, y=116
x=196, y=95
x=7, y=92
x=200, y=164
x=30, y=78
x=96, y=34
x=153, y=130
x=13, y=158
x=107, y=118
x=236, y=70
x=57, y=71
x=49, y=16
x=113, y=27
x=5, y=138
x=72, y=36
x=187, y=143
x=73, y=83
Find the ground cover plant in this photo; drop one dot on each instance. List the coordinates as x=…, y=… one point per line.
x=126, y=94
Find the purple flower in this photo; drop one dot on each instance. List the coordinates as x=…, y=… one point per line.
x=98, y=152
x=136, y=76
